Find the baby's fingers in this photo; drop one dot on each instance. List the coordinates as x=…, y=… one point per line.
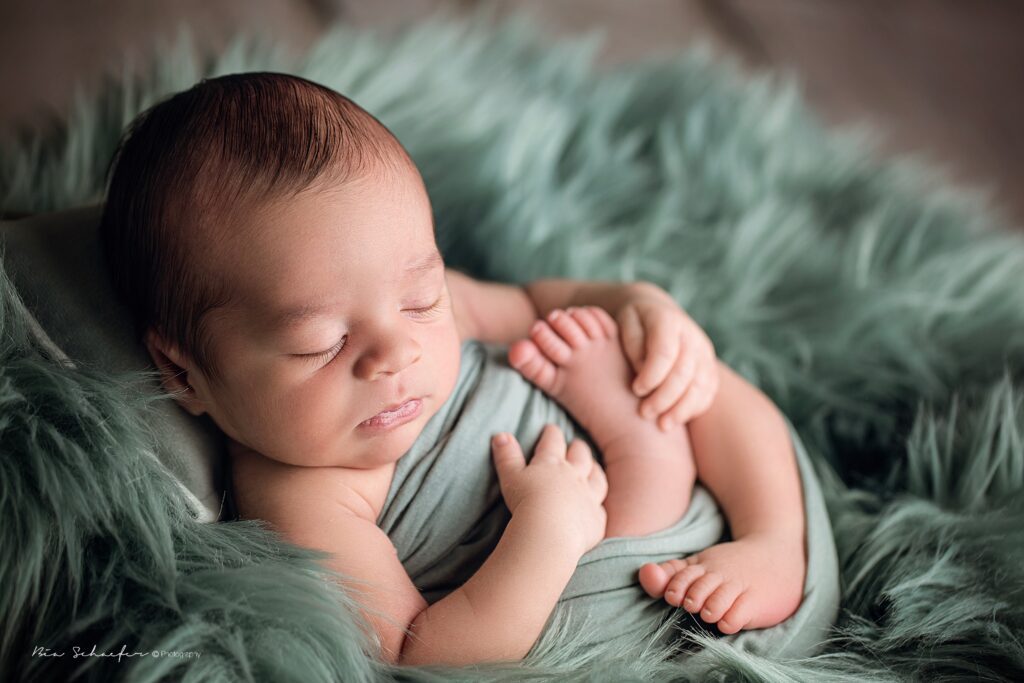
x=551, y=446
x=598, y=482
x=662, y=350
x=671, y=390
x=695, y=401
x=580, y=456
x=688, y=407
x=508, y=455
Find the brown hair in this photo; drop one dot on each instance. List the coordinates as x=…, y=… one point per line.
x=188, y=164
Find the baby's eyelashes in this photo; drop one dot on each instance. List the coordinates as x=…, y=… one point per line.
x=325, y=356
x=428, y=310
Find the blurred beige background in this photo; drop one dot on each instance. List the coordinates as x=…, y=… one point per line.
x=940, y=78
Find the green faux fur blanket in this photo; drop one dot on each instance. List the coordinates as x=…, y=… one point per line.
x=883, y=313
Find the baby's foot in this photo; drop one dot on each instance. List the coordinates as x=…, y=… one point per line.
x=754, y=582
x=576, y=358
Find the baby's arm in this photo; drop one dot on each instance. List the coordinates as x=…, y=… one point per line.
x=674, y=359
x=557, y=516
x=496, y=615
x=500, y=314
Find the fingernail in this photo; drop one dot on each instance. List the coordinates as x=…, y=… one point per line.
x=671, y=595
x=553, y=315
x=535, y=327
x=500, y=439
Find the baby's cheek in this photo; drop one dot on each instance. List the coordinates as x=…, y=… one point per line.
x=269, y=403
x=450, y=355
x=308, y=427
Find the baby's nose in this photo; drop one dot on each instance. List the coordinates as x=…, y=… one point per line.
x=389, y=356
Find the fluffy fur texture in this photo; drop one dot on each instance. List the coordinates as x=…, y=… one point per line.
x=882, y=311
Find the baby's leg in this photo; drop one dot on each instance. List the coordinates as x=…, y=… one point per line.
x=577, y=360
x=755, y=580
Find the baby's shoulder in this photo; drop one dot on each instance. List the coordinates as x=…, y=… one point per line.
x=267, y=489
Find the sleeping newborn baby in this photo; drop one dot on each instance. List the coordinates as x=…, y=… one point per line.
x=276, y=246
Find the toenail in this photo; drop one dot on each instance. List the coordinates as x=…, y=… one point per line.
x=553, y=315
x=536, y=326
x=688, y=601
x=671, y=594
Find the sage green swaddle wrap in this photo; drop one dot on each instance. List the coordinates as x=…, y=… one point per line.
x=445, y=514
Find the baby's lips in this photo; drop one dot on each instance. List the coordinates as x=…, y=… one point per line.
x=396, y=413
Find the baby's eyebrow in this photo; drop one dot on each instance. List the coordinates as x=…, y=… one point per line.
x=294, y=316
x=422, y=265
x=290, y=317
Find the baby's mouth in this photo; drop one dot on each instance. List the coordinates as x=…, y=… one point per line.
x=395, y=415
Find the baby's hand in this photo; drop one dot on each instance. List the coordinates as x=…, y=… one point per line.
x=674, y=359
x=565, y=485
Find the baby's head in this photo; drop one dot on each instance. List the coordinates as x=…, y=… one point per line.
x=275, y=245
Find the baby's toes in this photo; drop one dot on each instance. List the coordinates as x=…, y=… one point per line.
x=588, y=321
x=680, y=583
x=607, y=322
x=654, y=577
x=738, y=616
x=550, y=343
x=565, y=325
x=720, y=601
x=525, y=357
x=700, y=590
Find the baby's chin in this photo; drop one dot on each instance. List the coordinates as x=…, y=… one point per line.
x=382, y=448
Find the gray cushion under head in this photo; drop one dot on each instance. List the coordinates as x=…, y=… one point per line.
x=55, y=262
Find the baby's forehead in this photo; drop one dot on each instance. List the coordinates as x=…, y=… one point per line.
x=308, y=289
x=315, y=239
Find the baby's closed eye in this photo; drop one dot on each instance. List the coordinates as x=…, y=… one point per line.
x=428, y=307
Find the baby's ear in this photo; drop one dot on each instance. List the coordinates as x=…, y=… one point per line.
x=174, y=371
